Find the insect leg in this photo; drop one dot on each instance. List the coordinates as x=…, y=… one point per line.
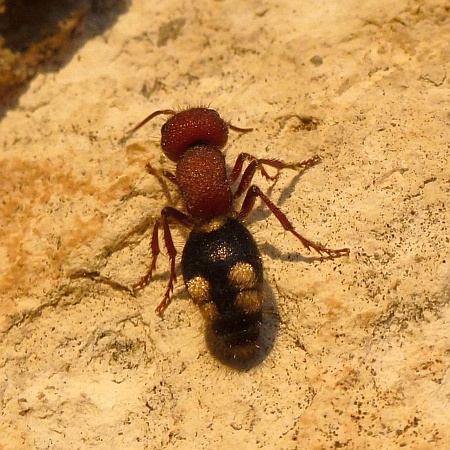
x=168, y=215
x=249, y=202
x=258, y=164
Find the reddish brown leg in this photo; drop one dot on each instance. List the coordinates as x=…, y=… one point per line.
x=249, y=202
x=161, y=174
x=174, y=216
x=258, y=164
x=145, y=280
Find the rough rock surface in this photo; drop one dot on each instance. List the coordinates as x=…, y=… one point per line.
x=362, y=351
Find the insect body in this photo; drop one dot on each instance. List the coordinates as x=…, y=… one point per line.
x=223, y=273
x=221, y=264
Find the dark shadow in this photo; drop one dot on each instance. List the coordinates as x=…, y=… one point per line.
x=308, y=257
x=43, y=35
x=290, y=188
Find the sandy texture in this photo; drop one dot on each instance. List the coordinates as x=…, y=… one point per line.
x=362, y=351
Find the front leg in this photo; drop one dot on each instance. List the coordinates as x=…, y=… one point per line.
x=162, y=175
x=258, y=164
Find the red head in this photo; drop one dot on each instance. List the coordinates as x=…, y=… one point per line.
x=191, y=127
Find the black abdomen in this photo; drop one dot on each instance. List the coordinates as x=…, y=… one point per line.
x=223, y=273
